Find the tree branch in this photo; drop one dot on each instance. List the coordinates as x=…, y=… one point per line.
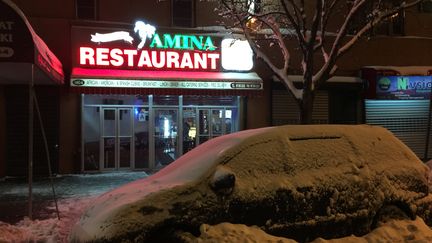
x=309, y=61
x=296, y=25
x=337, y=51
x=324, y=72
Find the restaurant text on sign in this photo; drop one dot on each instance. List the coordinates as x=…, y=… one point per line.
x=148, y=58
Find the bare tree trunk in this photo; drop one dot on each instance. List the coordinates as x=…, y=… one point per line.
x=306, y=107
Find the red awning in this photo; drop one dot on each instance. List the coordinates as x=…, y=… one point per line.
x=21, y=47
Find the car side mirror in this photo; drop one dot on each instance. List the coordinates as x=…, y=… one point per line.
x=222, y=181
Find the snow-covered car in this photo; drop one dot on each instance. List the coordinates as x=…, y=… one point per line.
x=295, y=181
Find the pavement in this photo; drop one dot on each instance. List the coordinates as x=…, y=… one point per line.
x=14, y=192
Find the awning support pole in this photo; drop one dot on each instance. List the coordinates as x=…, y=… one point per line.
x=47, y=154
x=30, y=146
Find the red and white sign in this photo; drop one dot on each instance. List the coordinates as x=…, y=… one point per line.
x=148, y=59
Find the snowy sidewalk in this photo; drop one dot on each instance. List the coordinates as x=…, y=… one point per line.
x=14, y=192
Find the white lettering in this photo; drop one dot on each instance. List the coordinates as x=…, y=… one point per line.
x=186, y=61
x=130, y=54
x=172, y=58
x=200, y=61
x=148, y=59
x=213, y=57
x=117, y=60
x=87, y=54
x=161, y=62
x=102, y=56
x=144, y=60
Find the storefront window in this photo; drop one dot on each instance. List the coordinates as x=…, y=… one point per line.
x=91, y=139
x=141, y=130
x=126, y=132
x=189, y=129
x=165, y=134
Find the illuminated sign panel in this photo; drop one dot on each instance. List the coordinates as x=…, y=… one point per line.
x=169, y=84
x=150, y=50
x=147, y=59
x=403, y=87
x=146, y=48
x=237, y=55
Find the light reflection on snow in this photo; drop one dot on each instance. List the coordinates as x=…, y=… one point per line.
x=47, y=230
x=75, y=193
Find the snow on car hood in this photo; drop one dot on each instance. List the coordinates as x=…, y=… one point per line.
x=187, y=168
x=368, y=145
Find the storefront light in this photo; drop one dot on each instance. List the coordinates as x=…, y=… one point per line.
x=228, y=114
x=236, y=55
x=192, y=132
x=166, y=128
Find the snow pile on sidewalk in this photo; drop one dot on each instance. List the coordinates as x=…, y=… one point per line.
x=48, y=230
x=392, y=231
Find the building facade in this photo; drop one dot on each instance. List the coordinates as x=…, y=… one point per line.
x=136, y=102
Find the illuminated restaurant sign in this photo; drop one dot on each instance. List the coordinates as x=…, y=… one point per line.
x=145, y=57
x=148, y=59
x=163, y=51
x=403, y=87
x=146, y=49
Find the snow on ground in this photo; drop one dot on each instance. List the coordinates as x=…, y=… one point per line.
x=75, y=192
x=47, y=230
x=52, y=230
x=391, y=232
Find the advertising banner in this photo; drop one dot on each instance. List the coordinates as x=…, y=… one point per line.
x=403, y=87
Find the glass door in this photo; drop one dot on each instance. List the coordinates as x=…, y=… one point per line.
x=210, y=124
x=165, y=135
x=189, y=129
x=124, y=138
x=141, y=131
x=217, y=122
x=116, y=138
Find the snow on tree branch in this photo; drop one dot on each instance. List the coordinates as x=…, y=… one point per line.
x=318, y=41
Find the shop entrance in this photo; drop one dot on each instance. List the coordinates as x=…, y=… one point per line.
x=122, y=132
x=116, y=138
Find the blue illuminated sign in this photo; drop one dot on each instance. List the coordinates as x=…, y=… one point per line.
x=403, y=87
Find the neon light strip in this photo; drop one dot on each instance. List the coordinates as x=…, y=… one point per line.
x=119, y=83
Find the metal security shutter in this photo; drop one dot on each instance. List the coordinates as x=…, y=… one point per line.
x=407, y=119
x=285, y=109
x=17, y=130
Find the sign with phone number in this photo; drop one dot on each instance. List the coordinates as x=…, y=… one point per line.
x=169, y=84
